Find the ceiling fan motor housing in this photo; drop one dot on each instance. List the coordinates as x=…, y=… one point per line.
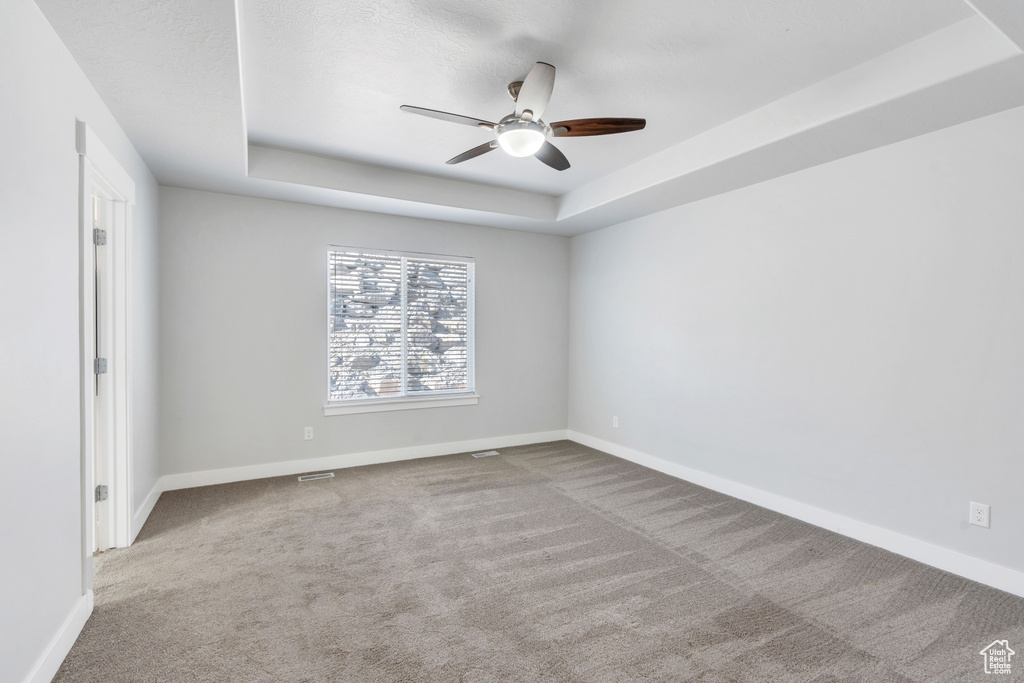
x=521, y=138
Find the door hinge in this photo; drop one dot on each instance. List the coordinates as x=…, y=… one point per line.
x=99, y=237
x=102, y=493
x=99, y=366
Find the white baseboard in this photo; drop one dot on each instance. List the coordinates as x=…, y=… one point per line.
x=997, y=576
x=47, y=665
x=142, y=514
x=187, y=480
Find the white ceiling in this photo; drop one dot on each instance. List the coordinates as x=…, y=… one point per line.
x=169, y=72
x=203, y=90
x=329, y=77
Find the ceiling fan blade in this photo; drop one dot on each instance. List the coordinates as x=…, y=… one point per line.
x=581, y=127
x=536, y=90
x=473, y=153
x=551, y=156
x=445, y=116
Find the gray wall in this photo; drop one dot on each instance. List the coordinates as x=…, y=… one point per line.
x=144, y=343
x=850, y=336
x=243, y=331
x=43, y=91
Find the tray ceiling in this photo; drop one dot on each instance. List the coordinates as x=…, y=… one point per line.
x=300, y=99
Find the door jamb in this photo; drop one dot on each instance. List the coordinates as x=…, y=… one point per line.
x=99, y=168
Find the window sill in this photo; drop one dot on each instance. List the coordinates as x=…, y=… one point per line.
x=386, y=404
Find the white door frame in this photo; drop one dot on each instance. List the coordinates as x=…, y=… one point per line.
x=100, y=173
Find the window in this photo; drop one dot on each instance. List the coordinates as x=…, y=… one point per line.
x=400, y=330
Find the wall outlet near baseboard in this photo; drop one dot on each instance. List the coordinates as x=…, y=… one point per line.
x=979, y=514
x=308, y=434
x=615, y=421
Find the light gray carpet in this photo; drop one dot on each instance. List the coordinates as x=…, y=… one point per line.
x=551, y=562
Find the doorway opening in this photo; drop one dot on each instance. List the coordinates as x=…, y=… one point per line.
x=106, y=199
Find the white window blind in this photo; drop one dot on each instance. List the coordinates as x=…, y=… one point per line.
x=399, y=325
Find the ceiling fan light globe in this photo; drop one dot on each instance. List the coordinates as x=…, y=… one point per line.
x=522, y=138
x=521, y=143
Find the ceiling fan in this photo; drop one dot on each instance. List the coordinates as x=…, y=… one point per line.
x=523, y=133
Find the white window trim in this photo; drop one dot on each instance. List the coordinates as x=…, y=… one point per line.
x=434, y=400
x=380, y=405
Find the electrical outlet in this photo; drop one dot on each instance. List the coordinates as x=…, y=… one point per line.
x=308, y=435
x=615, y=421
x=979, y=514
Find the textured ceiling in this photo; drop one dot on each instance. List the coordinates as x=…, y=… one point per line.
x=168, y=70
x=299, y=99
x=329, y=77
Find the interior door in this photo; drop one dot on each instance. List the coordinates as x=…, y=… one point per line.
x=103, y=430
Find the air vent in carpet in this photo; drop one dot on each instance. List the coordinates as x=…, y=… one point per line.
x=311, y=477
x=485, y=454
